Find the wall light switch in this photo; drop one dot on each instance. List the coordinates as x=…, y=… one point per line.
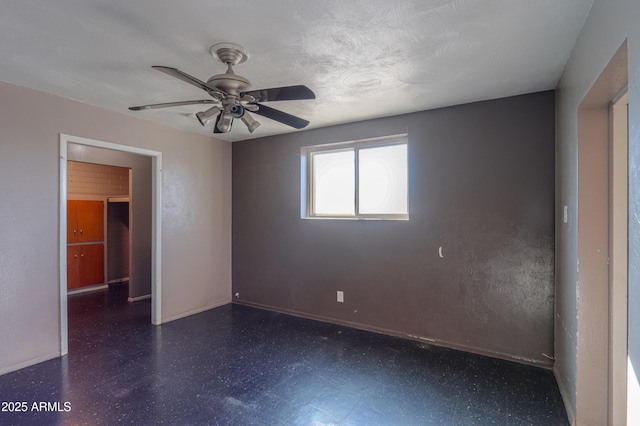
x=340, y=296
x=565, y=214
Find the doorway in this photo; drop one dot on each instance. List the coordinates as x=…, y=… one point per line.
x=156, y=228
x=618, y=256
x=603, y=228
x=98, y=222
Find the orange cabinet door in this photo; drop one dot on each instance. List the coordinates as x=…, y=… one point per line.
x=85, y=262
x=91, y=264
x=85, y=265
x=72, y=221
x=85, y=221
x=90, y=221
x=73, y=267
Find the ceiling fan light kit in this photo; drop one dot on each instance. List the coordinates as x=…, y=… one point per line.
x=232, y=92
x=250, y=122
x=224, y=122
x=205, y=117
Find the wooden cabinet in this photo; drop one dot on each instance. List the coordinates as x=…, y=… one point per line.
x=85, y=224
x=85, y=221
x=85, y=265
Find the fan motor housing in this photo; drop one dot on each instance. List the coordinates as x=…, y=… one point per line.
x=232, y=84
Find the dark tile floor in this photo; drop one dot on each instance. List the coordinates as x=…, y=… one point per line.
x=237, y=365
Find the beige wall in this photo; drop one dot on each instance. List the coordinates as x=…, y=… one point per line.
x=580, y=357
x=196, y=215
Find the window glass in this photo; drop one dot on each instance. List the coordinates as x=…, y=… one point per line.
x=365, y=179
x=383, y=180
x=334, y=183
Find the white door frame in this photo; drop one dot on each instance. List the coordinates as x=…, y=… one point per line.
x=156, y=225
x=618, y=257
x=595, y=396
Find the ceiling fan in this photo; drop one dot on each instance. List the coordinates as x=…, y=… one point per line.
x=232, y=95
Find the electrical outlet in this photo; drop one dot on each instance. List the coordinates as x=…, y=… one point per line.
x=340, y=296
x=237, y=295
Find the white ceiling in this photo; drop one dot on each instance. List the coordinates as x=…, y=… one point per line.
x=362, y=58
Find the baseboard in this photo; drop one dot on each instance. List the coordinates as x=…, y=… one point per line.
x=565, y=396
x=196, y=311
x=404, y=335
x=33, y=361
x=87, y=289
x=138, y=298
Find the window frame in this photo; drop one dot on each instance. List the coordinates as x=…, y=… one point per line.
x=309, y=185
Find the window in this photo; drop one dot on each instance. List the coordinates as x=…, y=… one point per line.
x=362, y=179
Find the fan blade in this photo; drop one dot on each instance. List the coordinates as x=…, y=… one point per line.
x=172, y=104
x=189, y=79
x=287, y=93
x=282, y=117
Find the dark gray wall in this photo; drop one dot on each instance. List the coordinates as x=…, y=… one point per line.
x=481, y=185
x=117, y=241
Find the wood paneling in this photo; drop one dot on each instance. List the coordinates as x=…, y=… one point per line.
x=87, y=179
